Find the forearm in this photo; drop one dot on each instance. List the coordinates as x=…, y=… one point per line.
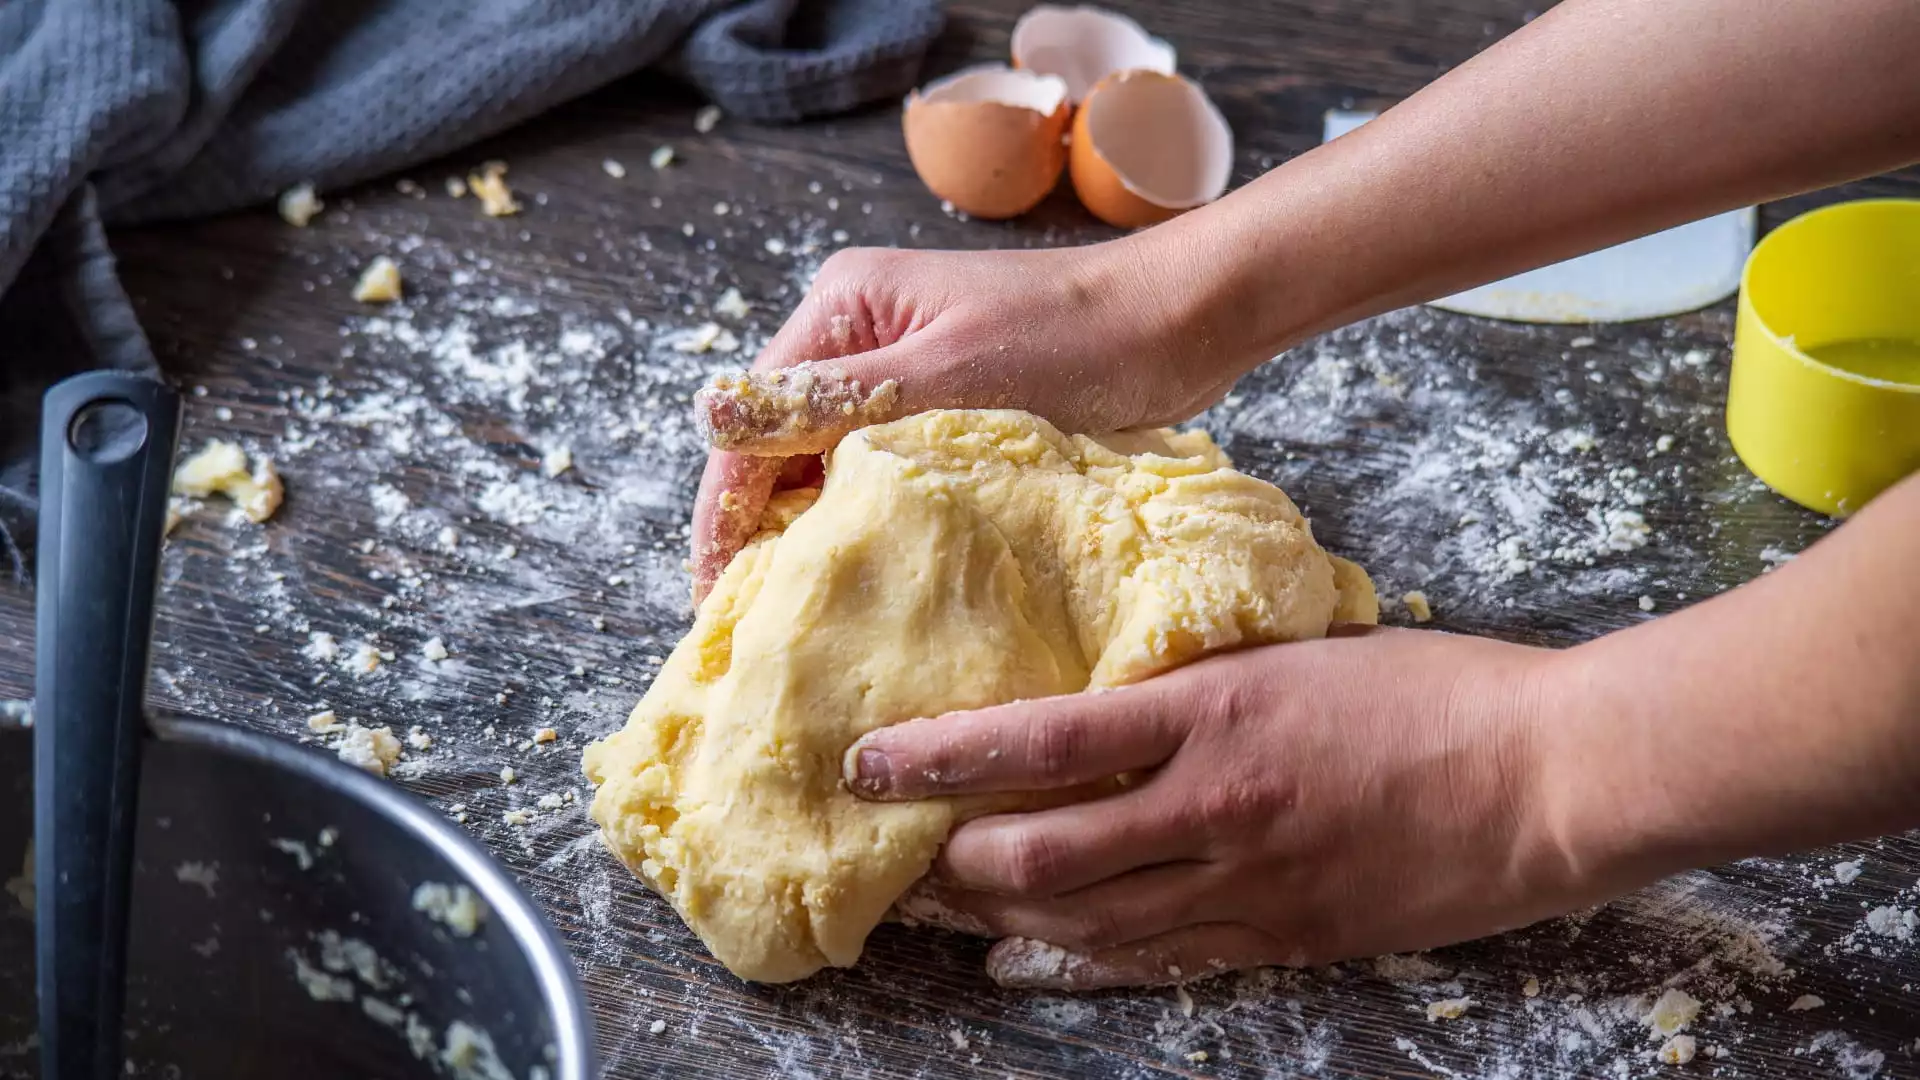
x=1601, y=121
x=1781, y=716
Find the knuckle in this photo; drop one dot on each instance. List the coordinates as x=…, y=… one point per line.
x=1054, y=748
x=853, y=265
x=1095, y=928
x=1029, y=863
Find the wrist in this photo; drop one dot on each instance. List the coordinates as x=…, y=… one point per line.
x=1212, y=304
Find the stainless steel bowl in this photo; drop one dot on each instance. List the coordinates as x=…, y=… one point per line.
x=274, y=929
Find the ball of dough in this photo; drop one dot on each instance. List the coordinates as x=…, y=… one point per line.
x=952, y=560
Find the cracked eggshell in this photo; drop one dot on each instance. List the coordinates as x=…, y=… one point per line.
x=1147, y=146
x=990, y=140
x=1084, y=45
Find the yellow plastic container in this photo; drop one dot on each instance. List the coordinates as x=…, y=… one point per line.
x=1824, y=400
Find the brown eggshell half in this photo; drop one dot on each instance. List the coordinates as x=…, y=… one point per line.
x=991, y=141
x=1147, y=146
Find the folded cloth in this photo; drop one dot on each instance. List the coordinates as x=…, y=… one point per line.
x=122, y=111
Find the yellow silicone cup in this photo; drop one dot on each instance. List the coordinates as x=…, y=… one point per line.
x=1827, y=438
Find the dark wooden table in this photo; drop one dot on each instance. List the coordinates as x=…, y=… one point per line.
x=1475, y=460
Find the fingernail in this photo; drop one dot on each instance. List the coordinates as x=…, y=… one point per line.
x=872, y=772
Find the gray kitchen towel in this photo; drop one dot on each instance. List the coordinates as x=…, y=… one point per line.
x=125, y=111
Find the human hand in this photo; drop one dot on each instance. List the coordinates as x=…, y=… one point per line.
x=1301, y=803
x=1082, y=336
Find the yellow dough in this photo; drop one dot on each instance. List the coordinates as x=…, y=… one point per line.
x=952, y=560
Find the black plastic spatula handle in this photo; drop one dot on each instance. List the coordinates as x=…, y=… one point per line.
x=106, y=457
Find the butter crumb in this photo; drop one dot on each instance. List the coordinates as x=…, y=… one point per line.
x=298, y=205
x=1678, y=1050
x=372, y=749
x=1418, y=606
x=489, y=185
x=221, y=468
x=1671, y=1012
x=379, y=283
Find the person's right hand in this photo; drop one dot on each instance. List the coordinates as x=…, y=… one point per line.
x=1085, y=337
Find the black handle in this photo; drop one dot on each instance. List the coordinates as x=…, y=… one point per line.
x=106, y=456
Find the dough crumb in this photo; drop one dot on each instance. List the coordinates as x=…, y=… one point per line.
x=372, y=749
x=379, y=283
x=1625, y=530
x=614, y=169
x=507, y=775
x=1418, y=606
x=324, y=722
x=550, y=801
x=1671, y=1013
x=321, y=646
x=1678, y=1050
x=657, y=1027
x=489, y=185
x=299, y=205
x=1806, y=1003
x=775, y=246
x=435, y=650
x=517, y=817
x=221, y=469
x=1449, y=1008
x=556, y=461
x=1847, y=872
x=418, y=739
x=732, y=304
x=205, y=875
x=456, y=187
x=1198, y=1057
x=707, y=119
x=545, y=735
x=1530, y=988
x=1646, y=603
x=470, y=1054
x=1663, y=444
x=364, y=660
x=319, y=985
x=453, y=906
x=302, y=856
x=707, y=337
x=661, y=157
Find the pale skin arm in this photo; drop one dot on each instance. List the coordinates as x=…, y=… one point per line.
x=1398, y=790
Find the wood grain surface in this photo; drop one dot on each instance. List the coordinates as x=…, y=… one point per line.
x=561, y=630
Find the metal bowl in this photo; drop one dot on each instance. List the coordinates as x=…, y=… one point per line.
x=275, y=931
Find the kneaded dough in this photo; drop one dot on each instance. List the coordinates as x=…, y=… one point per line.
x=951, y=560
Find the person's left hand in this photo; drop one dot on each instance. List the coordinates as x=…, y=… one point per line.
x=1365, y=794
